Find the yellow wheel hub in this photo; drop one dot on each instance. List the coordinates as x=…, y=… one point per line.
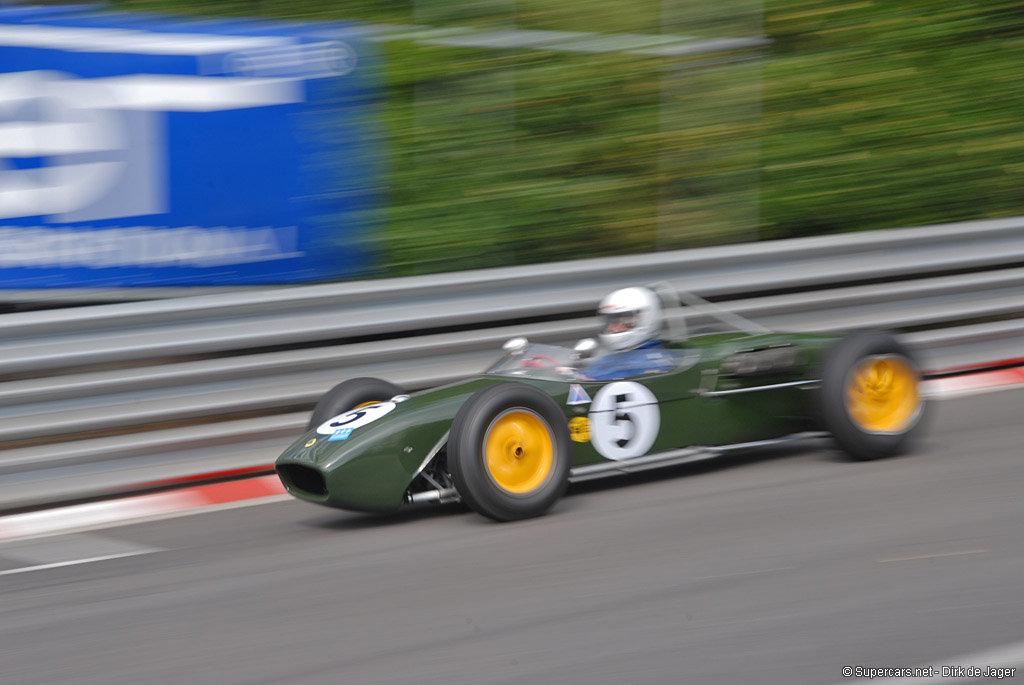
x=518, y=451
x=881, y=394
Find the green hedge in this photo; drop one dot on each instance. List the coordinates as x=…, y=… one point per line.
x=861, y=115
x=883, y=114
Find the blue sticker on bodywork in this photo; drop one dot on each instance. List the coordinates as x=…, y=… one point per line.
x=340, y=434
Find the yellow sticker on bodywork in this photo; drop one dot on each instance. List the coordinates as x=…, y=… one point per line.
x=579, y=429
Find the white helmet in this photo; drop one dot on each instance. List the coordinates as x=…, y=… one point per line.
x=632, y=316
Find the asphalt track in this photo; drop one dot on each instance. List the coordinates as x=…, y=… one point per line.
x=771, y=567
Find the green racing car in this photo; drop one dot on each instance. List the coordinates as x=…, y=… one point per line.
x=509, y=440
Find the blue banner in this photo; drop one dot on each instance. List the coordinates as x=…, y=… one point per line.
x=145, y=150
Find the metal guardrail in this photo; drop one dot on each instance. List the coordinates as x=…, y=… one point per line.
x=103, y=397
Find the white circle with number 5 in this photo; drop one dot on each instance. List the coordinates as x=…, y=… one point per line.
x=356, y=418
x=624, y=420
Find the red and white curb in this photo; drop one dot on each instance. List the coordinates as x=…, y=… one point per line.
x=974, y=383
x=258, y=490
x=141, y=507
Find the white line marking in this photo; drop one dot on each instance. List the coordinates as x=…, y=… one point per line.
x=934, y=556
x=1007, y=656
x=740, y=574
x=73, y=562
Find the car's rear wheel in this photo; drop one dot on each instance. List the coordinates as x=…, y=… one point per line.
x=351, y=394
x=509, y=452
x=871, y=401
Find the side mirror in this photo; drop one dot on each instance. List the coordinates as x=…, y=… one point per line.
x=584, y=349
x=515, y=346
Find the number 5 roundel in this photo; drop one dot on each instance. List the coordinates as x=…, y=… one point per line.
x=624, y=420
x=356, y=417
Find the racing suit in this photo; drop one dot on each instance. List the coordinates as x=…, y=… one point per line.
x=647, y=358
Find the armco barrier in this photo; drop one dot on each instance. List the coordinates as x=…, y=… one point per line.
x=104, y=397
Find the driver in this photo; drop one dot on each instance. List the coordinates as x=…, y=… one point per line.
x=632, y=321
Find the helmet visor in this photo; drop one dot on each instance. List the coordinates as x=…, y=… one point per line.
x=619, y=322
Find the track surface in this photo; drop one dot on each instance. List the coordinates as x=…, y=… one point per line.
x=770, y=567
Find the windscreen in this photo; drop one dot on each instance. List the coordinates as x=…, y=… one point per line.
x=537, y=361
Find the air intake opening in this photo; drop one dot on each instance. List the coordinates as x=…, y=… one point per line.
x=303, y=479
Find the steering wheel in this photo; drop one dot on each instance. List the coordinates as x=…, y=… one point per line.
x=538, y=361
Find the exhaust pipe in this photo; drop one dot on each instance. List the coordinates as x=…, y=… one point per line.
x=442, y=496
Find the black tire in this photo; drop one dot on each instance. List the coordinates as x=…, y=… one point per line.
x=493, y=408
x=348, y=394
x=858, y=437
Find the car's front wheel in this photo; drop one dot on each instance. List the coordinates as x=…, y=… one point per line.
x=509, y=452
x=351, y=394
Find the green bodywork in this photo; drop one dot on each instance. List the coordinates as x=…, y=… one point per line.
x=374, y=468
